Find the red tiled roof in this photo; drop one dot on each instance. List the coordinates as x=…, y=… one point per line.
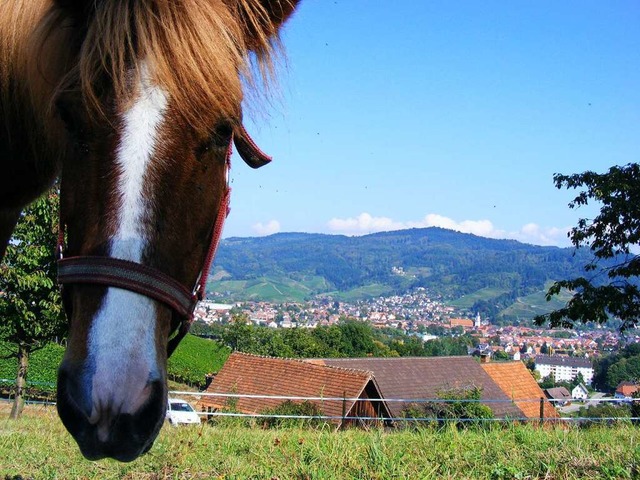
x=461, y=322
x=515, y=380
x=627, y=388
x=255, y=375
x=415, y=378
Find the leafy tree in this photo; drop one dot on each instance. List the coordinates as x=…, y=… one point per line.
x=30, y=305
x=548, y=382
x=624, y=370
x=357, y=339
x=302, y=343
x=612, y=289
x=610, y=370
x=578, y=379
x=501, y=355
x=408, y=346
x=331, y=338
x=458, y=331
x=448, y=346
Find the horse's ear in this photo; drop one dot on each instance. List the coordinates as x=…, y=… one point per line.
x=263, y=22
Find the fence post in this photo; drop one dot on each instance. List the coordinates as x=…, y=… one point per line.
x=541, y=410
x=344, y=406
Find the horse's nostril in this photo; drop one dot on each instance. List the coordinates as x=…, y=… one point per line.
x=119, y=431
x=72, y=403
x=151, y=415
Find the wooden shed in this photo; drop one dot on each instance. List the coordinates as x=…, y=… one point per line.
x=337, y=392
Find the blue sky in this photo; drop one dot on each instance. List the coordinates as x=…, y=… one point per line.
x=437, y=113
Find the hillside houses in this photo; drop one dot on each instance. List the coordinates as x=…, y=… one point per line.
x=417, y=313
x=209, y=311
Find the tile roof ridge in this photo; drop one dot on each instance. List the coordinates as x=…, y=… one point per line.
x=390, y=358
x=306, y=361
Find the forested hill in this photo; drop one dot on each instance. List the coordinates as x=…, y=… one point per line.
x=295, y=266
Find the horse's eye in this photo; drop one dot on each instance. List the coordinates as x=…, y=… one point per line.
x=67, y=117
x=73, y=126
x=219, y=139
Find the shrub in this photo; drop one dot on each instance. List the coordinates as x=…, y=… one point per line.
x=41, y=375
x=459, y=406
x=290, y=408
x=605, y=412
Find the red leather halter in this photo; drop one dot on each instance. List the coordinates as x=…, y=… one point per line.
x=150, y=281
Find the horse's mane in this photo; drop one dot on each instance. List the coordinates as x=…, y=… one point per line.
x=199, y=51
x=17, y=20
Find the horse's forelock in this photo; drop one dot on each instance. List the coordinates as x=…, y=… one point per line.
x=202, y=52
x=197, y=50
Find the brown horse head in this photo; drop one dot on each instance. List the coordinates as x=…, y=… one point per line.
x=149, y=99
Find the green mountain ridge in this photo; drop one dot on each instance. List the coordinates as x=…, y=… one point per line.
x=495, y=274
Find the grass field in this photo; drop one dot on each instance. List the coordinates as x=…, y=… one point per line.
x=467, y=301
x=266, y=289
x=38, y=447
x=283, y=289
x=536, y=304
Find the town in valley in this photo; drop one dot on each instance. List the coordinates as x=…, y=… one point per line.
x=416, y=313
x=563, y=353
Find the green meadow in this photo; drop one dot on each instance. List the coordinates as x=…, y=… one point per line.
x=37, y=447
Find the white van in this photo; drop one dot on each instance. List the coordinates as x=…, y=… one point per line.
x=180, y=412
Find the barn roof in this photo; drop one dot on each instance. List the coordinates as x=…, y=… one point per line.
x=256, y=375
x=515, y=380
x=414, y=378
x=558, y=393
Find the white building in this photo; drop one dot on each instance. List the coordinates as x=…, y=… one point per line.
x=580, y=392
x=564, y=369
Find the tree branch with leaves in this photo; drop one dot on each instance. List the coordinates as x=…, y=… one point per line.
x=612, y=288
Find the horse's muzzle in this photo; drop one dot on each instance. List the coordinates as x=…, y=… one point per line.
x=106, y=431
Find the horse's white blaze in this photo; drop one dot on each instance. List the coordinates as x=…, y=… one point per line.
x=111, y=352
x=135, y=151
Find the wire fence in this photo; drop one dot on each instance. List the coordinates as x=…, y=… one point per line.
x=401, y=400
x=566, y=404
x=541, y=401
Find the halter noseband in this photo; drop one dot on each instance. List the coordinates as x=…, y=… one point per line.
x=150, y=281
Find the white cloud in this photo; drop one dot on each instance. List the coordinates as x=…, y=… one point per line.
x=533, y=233
x=529, y=233
x=271, y=227
x=483, y=228
x=363, y=224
